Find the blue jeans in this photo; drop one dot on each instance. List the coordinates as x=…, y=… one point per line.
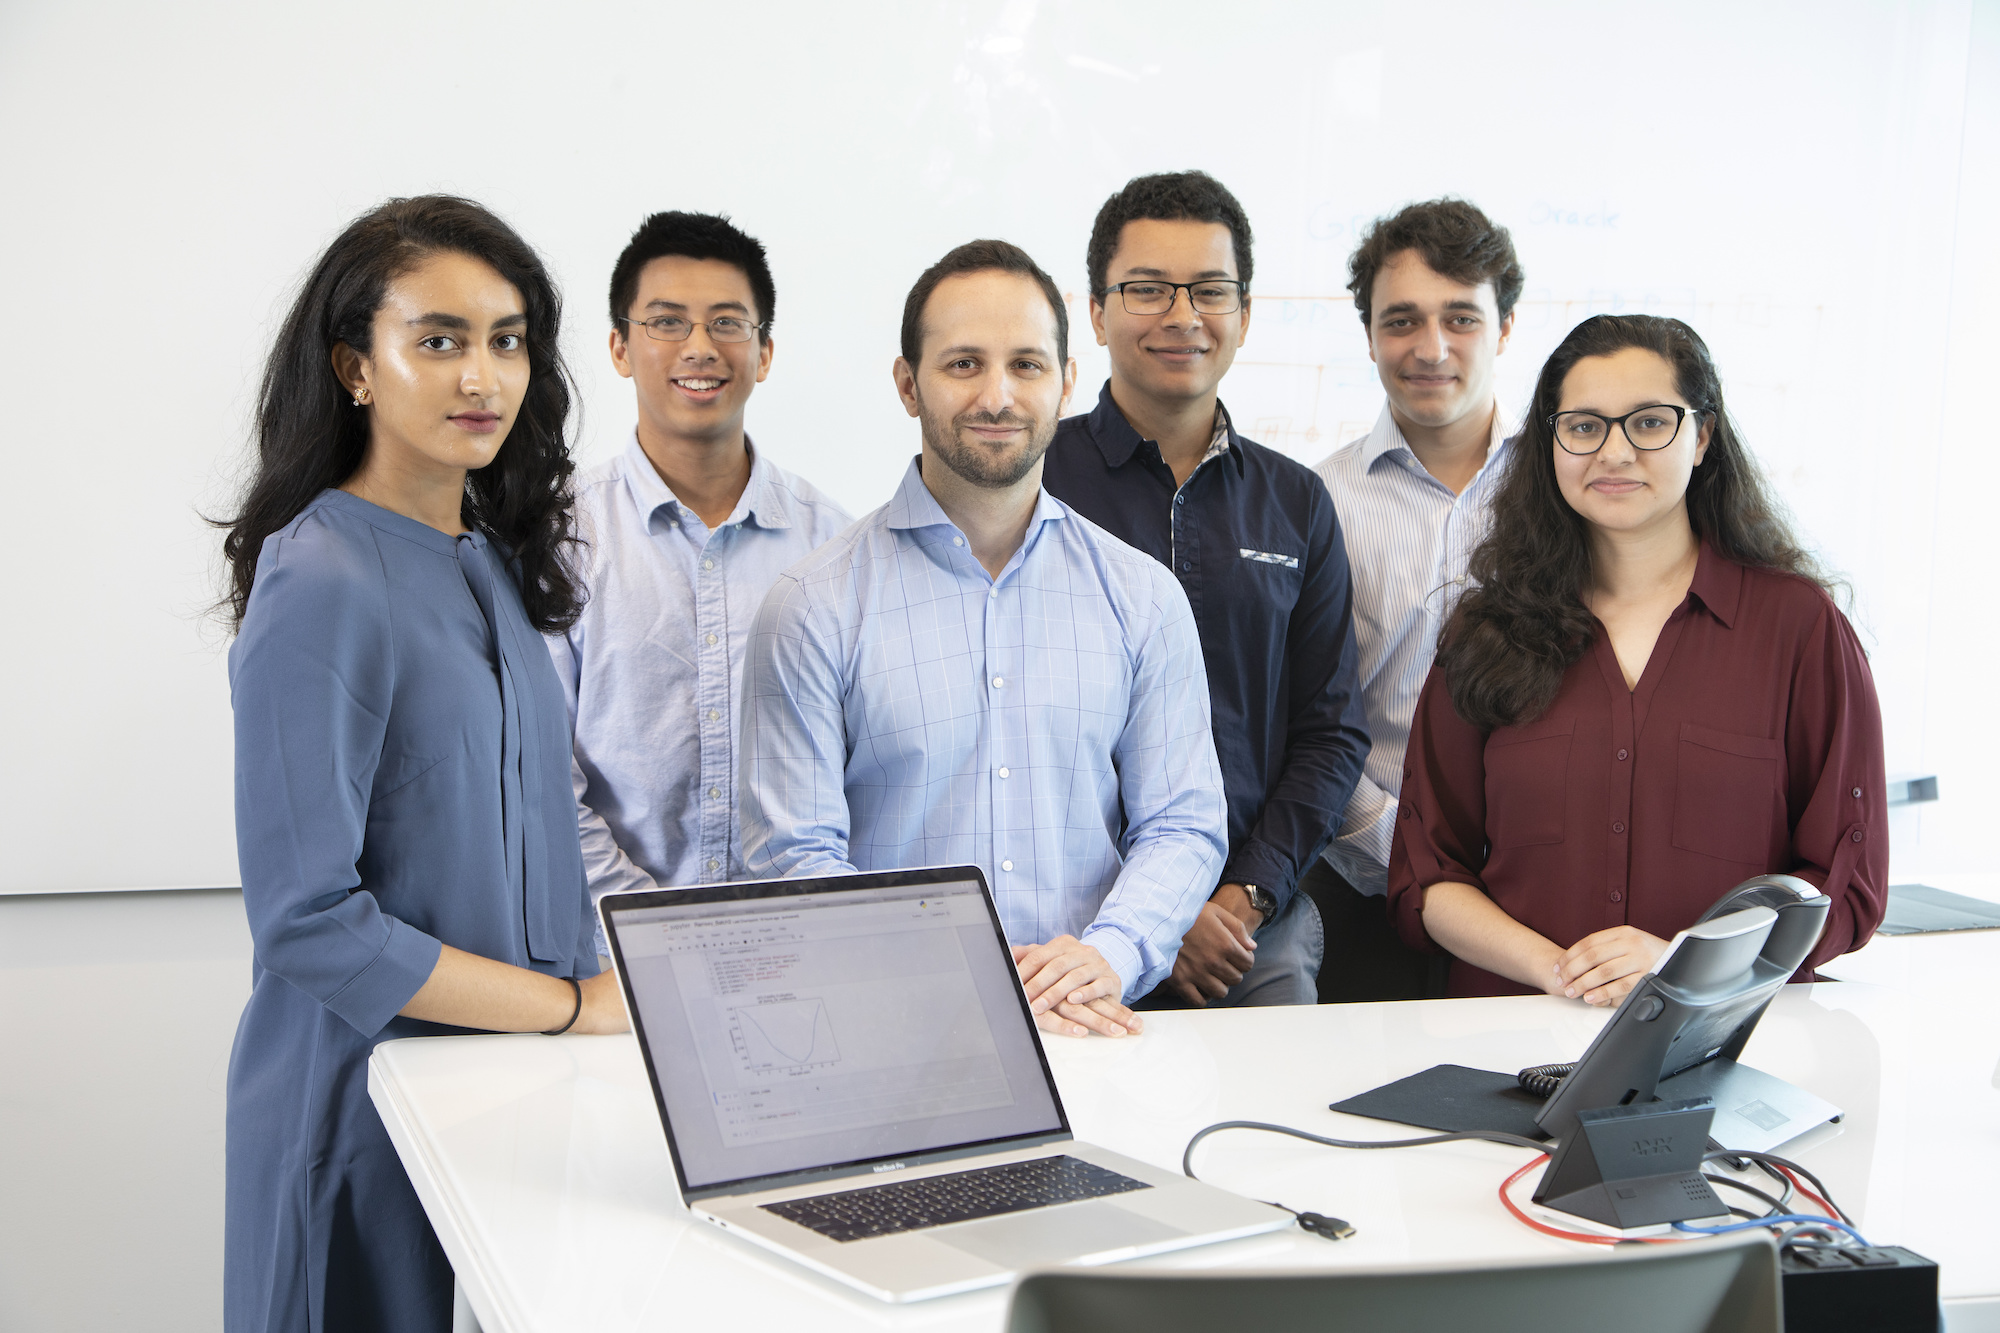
x=1290, y=947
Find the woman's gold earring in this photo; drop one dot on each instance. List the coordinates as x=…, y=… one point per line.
x=361, y=397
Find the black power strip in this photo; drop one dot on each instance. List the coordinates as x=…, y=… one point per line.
x=1848, y=1289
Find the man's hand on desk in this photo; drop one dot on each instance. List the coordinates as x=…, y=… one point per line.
x=1072, y=990
x=1602, y=967
x=1218, y=949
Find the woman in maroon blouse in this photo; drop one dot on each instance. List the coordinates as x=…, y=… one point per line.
x=1647, y=697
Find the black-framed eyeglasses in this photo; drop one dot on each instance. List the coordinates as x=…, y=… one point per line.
x=1210, y=296
x=677, y=328
x=1652, y=427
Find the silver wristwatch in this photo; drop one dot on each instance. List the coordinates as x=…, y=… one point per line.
x=1266, y=905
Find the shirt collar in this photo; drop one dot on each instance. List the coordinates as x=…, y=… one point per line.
x=1219, y=443
x=1718, y=582
x=913, y=506
x=1387, y=438
x=1117, y=441
x=760, y=497
x=388, y=520
x=759, y=502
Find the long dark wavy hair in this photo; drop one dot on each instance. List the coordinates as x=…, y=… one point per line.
x=310, y=436
x=1513, y=635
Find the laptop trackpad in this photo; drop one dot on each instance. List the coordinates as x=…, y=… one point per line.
x=1055, y=1235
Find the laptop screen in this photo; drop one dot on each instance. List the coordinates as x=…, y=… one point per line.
x=797, y=1027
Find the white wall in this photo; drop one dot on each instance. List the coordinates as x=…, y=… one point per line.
x=1826, y=179
x=1806, y=182
x=119, y=1009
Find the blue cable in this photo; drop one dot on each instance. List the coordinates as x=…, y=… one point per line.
x=1779, y=1218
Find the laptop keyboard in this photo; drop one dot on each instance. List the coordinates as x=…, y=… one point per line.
x=989, y=1191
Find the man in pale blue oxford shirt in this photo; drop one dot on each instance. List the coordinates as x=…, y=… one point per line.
x=1435, y=287
x=976, y=674
x=685, y=531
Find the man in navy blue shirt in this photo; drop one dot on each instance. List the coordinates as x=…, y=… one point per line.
x=1251, y=536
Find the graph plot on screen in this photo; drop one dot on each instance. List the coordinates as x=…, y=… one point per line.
x=783, y=1034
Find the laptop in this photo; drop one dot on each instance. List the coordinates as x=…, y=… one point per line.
x=848, y=1074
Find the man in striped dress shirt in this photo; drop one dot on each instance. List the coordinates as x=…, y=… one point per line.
x=1435, y=287
x=685, y=529
x=975, y=674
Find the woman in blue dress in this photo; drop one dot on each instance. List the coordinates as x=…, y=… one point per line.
x=405, y=824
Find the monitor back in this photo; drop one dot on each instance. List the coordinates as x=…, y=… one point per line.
x=1726, y=1286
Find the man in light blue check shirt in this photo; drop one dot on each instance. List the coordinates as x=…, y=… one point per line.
x=976, y=674
x=684, y=532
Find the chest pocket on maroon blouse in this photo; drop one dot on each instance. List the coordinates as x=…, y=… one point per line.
x=1527, y=783
x=1728, y=794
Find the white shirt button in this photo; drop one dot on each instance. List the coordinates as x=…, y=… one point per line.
x=715, y=793
x=714, y=864
x=958, y=541
x=1003, y=773
x=999, y=682
x=714, y=715
x=1006, y=865
x=708, y=564
x=711, y=640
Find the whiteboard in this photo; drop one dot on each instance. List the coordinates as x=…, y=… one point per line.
x=1792, y=178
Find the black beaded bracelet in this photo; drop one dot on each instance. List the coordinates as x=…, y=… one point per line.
x=574, y=1014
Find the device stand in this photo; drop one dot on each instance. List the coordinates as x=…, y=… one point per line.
x=1634, y=1166
x=1754, y=1111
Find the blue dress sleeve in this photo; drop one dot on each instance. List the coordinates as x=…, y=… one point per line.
x=312, y=675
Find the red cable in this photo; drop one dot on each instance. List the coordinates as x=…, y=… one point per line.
x=1591, y=1239
x=1800, y=1186
x=1558, y=1232
x=1546, y=1230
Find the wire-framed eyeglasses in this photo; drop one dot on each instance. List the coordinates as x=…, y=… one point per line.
x=1210, y=296
x=677, y=328
x=1652, y=427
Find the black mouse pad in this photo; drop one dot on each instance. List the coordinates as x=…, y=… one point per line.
x=1452, y=1098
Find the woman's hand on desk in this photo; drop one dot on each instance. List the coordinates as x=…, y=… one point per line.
x=603, y=1005
x=1601, y=967
x=468, y=991
x=1474, y=929
x=1598, y=969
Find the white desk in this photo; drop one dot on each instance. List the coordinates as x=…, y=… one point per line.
x=544, y=1169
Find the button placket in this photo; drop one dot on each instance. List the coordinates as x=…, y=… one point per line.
x=1618, y=848
x=717, y=753
x=1184, y=548
x=1006, y=710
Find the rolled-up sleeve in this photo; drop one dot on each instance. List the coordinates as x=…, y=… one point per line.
x=1837, y=785
x=792, y=771
x=311, y=679
x=1441, y=816
x=1360, y=852
x=1170, y=782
